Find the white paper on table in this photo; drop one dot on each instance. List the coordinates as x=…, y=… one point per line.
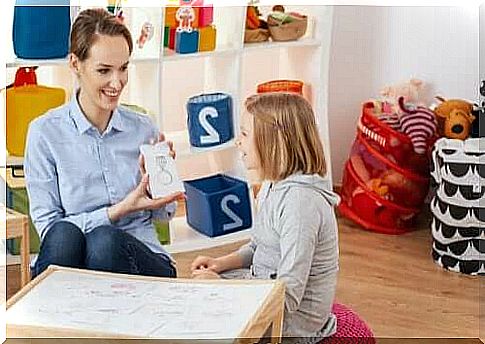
x=161, y=169
x=141, y=308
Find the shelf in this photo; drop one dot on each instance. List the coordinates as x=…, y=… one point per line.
x=41, y=62
x=15, y=63
x=15, y=160
x=183, y=148
x=171, y=55
x=306, y=42
x=184, y=238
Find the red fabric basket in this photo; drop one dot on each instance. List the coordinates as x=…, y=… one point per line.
x=385, y=182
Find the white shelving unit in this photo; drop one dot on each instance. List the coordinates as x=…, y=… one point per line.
x=162, y=81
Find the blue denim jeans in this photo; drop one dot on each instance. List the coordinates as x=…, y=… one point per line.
x=105, y=248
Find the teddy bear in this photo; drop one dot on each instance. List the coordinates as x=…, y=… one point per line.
x=454, y=117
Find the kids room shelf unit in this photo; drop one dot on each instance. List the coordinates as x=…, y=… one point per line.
x=161, y=82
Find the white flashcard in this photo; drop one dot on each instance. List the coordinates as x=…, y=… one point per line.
x=161, y=169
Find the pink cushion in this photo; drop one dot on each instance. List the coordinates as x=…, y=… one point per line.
x=351, y=329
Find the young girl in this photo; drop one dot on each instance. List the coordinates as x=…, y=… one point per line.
x=294, y=236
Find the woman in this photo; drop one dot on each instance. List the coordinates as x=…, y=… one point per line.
x=85, y=179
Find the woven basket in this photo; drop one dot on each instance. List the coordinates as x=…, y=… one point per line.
x=255, y=35
x=289, y=31
x=294, y=86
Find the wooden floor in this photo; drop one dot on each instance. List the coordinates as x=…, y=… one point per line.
x=391, y=281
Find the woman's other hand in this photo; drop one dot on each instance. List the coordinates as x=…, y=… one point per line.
x=139, y=199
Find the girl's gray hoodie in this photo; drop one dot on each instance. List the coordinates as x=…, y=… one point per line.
x=294, y=238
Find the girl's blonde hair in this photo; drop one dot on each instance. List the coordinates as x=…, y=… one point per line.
x=286, y=135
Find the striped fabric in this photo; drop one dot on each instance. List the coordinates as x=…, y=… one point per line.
x=419, y=124
x=391, y=119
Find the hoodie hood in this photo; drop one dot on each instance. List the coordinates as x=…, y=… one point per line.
x=312, y=181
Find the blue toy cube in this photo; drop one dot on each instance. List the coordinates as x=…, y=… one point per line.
x=186, y=42
x=218, y=205
x=210, y=120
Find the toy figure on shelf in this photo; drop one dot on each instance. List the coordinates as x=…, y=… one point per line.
x=146, y=34
x=185, y=16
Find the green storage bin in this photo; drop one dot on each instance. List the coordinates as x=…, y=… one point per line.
x=18, y=200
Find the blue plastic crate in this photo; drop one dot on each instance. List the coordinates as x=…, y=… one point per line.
x=210, y=119
x=41, y=28
x=218, y=205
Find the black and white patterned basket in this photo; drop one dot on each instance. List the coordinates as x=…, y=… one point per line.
x=458, y=207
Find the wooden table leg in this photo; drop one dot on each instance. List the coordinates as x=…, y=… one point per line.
x=277, y=326
x=25, y=253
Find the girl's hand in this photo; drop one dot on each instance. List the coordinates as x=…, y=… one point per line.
x=205, y=274
x=205, y=263
x=139, y=199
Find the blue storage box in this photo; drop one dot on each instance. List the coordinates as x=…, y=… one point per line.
x=186, y=42
x=218, y=205
x=210, y=120
x=41, y=28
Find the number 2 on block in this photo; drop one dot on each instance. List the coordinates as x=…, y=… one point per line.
x=237, y=220
x=213, y=136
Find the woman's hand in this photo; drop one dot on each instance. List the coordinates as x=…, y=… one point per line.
x=139, y=199
x=161, y=138
x=205, y=263
x=205, y=274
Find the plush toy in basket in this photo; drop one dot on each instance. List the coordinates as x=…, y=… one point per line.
x=286, y=26
x=256, y=28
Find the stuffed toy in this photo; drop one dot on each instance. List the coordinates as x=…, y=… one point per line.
x=454, y=118
x=419, y=124
x=373, y=184
x=414, y=93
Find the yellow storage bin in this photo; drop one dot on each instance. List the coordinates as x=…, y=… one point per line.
x=207, y=38
x=25, y=103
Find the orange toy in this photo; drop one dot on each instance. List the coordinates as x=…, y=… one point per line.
x=454, y=118
x=252, y=19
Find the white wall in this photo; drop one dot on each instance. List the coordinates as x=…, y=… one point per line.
x=377, y=46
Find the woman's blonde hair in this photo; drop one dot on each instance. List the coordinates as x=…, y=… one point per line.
x=286, y=135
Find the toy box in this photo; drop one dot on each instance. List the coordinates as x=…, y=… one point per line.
x=218, y=205
x=210, y=119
